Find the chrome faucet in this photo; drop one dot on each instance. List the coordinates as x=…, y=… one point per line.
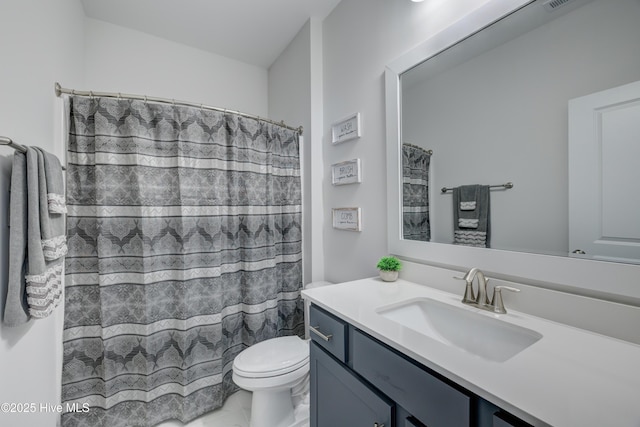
x=482, y=300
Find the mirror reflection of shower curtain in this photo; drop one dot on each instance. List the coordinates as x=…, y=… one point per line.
x=415, y=193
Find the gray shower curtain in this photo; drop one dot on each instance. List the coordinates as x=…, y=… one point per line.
x=184, y=248
x=415, y=193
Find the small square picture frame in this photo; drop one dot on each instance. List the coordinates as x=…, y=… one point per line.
x=348, y=219
x=349, y=172
x=346, y=129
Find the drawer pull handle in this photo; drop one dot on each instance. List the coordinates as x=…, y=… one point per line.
x=378, y=425
x=324, y=337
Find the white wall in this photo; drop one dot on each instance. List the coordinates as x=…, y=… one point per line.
x=290, y=101
x=119, y=59
x=360, y=38
x=42, y=42
x=295, y=96
x=503, y=139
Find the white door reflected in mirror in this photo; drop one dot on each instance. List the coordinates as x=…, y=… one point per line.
x=604, y=148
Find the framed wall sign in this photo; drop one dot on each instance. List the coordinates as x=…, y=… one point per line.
x=347, y=219
x=346, y=129
x=348, y=172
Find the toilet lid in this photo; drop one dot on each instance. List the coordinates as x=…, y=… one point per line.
x=272, y=357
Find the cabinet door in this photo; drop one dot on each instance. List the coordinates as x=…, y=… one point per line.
x=412, y=422
x=501, y=419
x=340, y=399
x=489, y=415
x=429, y=399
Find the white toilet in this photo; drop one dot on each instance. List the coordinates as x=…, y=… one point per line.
x=271, y=369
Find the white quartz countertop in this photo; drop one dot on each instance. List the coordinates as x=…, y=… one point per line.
x=569, y=378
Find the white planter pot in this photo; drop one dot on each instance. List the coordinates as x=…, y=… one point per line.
x=388, y=276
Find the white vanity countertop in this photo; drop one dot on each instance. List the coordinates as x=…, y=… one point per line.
x=569, y=378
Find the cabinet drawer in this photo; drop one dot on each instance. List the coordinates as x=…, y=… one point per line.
x=328, y=331
x=431, y=400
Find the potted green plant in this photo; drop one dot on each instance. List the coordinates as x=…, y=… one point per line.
x=388, y=266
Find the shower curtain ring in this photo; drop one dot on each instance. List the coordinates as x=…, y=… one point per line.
x=91, y=94
x=145, y=99
x=119, y=96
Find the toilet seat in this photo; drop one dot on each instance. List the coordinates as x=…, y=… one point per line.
x=271, y=358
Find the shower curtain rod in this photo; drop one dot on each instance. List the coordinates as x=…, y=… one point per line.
x=60, y=90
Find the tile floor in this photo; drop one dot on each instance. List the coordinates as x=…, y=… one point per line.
x=236, y=412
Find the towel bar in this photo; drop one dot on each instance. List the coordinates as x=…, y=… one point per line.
x=18, y=147
x=506, y=186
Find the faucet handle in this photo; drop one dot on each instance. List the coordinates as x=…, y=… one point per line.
x=469, y=297
x=507, y=288
x=496, y=302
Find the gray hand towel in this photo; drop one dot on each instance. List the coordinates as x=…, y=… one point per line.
x=44, y=277
x=479, y=236
x=51, y=187
x=55, y=186
x=16, y=309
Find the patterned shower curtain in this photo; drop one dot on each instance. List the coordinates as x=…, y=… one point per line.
x=415, y=193
x=184, y=232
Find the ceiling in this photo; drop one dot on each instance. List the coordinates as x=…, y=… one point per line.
x=251, y=31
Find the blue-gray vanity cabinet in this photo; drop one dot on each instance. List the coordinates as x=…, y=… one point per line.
x=489, y=415
x=499, y=422
x=412, y=422
x=501, y=419
x=340, y=399
x=429, y=399
x=357, y=380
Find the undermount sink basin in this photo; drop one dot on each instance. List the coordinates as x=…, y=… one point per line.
x=473, y=332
